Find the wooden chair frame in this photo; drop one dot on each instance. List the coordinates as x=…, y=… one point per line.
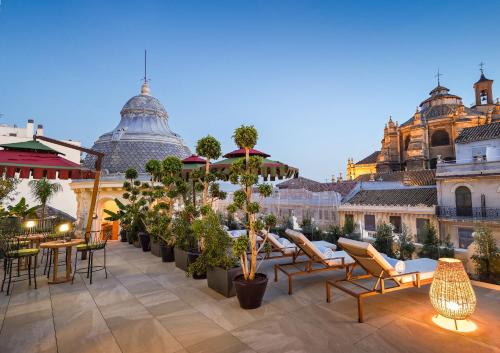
x=307, y=267
x=378, y=288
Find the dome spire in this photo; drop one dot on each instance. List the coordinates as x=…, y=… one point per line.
x=145, y=86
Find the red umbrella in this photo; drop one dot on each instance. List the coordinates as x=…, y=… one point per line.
x=269, y=169
x=190, y=164
x=35, y=160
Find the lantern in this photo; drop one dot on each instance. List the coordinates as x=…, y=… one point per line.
x=452, y=296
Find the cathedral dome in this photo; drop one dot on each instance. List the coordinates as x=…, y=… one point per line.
x=141, y=135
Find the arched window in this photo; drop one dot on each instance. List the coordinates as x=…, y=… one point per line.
x=463, y=201
x=440, y=138
x=407, y=142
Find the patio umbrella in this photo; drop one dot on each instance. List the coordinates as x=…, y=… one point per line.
x=190, y=164
x=35, y=160
x=269, y=169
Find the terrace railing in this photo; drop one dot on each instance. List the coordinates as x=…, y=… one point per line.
x=473, y=213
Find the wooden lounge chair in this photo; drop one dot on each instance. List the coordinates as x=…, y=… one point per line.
x=279, y=249
x=316, y=262
x=416, y=273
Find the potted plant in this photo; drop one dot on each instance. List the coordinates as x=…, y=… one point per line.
x=250, y=285
x=216, y=260
x=185, y=240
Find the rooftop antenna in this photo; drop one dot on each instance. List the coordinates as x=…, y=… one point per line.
x=481, y=67
x=145, y=66
x=438, y=75
x=145, y=86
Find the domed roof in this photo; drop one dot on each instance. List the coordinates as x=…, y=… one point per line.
x=141, y=135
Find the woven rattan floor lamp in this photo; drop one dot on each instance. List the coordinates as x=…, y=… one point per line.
x=452, y=296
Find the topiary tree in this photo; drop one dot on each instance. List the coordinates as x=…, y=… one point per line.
x=486, y=256
x=406, y=246
x=245, y=173
x=209, y=148
x=384, y=241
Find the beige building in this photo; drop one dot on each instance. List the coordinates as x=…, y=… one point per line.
x=367, y=165
x=431, y=131
x=390, y=202
x=469, y=188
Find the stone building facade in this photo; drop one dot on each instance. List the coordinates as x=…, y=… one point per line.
x=430, y=132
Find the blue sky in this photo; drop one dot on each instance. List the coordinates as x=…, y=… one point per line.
x=317, y=78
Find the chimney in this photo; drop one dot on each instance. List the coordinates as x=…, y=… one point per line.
x=39, y=130
x=29, y=128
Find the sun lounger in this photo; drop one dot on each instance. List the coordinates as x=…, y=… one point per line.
x=413, y=273
x=318, y=261
x=285, y=248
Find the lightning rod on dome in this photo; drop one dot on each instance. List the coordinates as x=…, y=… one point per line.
x=145, y=85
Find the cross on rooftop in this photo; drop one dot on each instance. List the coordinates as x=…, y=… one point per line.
x=438, y=75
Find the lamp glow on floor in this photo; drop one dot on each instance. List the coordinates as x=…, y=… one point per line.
x=452, y=296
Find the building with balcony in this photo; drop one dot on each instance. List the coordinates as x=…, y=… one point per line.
x=469, y=187
x=401, y=198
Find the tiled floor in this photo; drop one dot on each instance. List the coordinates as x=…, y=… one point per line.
x=149, y=306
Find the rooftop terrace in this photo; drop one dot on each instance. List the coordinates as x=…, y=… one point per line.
x=149, y=306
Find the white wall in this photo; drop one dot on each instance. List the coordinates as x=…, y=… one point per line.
x=66, y=199
x=464, y=151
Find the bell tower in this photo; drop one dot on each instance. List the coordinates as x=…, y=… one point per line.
x=483, y=89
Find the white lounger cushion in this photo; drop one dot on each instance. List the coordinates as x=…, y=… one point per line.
x=313, y=250
x=425, y=266
x=368, y=257
x=237, y=233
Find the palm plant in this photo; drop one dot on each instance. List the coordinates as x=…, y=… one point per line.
x=43, y=191
x=22, y=210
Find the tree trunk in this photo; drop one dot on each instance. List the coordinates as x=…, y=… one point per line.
x=205, y=183
x=253, y=240
x=43, y=211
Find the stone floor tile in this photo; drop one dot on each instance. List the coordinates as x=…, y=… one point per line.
x=225, y=343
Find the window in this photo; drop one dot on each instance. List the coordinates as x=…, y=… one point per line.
x=465, y=237
x=463, y=201
x=440, y=138
x=396, y=223
x=370, y=222
x=479, y=153
x=422, y=225
x=407, y=142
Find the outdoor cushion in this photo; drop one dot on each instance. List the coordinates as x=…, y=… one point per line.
x=398, y=265
x=325, y=244
x=83, y=247
x=313, y=252
x=335, y=262
x=425, y=266
x=237, y=233
x=368, y=257
x=23, y=252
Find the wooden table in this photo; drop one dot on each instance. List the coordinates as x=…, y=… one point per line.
x=54, y=246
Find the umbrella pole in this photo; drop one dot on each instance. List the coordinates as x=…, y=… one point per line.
x=93, y=200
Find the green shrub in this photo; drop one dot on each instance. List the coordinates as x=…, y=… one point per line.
x=487, y=255
x=384, y=241
x=216, y=245
x=348, y=227
x=433, y=248
x=406, y=247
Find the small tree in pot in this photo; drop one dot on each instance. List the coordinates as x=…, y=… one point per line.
x=250, y=286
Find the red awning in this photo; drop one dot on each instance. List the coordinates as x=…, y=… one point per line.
x=194, y=159
x=39, y=165
x=241, y=153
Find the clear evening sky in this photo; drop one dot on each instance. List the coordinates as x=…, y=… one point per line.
x=317, y=78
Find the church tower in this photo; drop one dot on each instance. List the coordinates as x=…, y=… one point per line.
x=484, y=90
x=389, y=157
